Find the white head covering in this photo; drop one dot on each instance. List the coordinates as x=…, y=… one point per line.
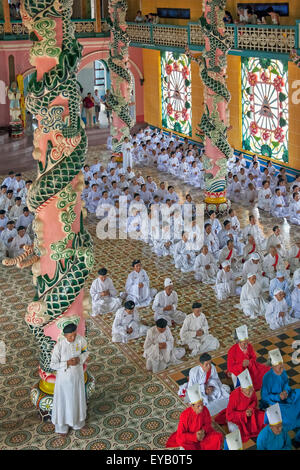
x=274, y=414
x=194, y=394
x=250, y=275
x=245, y=379
x=276, y=357
x=225, y=263
x=277, y=291
x=279, y=274
x=255, y=256
x=168, y=282
x=242, y=332
x=234, y=440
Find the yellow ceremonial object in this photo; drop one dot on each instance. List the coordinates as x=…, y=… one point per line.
x=48, y=387
x=215, y=200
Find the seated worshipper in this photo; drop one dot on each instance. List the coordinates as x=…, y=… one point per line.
x=276, y=389
x=69, y=400
x=229, y=253
x=195, y=431
x=278, y=208
x=294, y=256
x=274, y=436
x=104, y=295
x=16, y=210
x=104, y=205
x=93, y=199
x=251, y=300
x=163, y=246
x=216, y=227
x=25, y=219
x=250, y=248
x=215, y=394
x=225, y=285
x=233, y=441
x=127, y=325
x=205, y=267
x=264, y=197
x=138, y=286
x=194, y=332
x=165, y=305
x=159, y=350
x=184, y=257
x=8, y=234
x=3, y=220
x=254, y=266
x=211, y=240
x=273, y=262
x=295, y=209
x=253, y=229
x=242, y=410
x=280, y=282
x=250, y=195
x=295, y=298
x=277, y=240
x=19, y=241
x=241, y=356
x=277, y=311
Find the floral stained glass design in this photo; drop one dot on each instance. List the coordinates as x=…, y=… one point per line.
x=265, y=107
x=176, y=92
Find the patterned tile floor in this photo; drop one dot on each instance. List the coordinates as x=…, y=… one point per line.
x=143, y=414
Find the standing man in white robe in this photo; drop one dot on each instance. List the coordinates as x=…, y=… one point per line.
x=251, y=299
x=165, y=305
x=195, y=332
x=69, y=401
x=137, y=286
x=205, y=267
x=104, y=295
x=159, y=350
x=215, y=394
x=277, y=312
x=127, y=325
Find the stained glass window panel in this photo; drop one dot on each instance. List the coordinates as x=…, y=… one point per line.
x=265, y=107
x=176, y=92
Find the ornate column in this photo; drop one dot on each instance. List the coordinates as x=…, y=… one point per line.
x=98, y=15
x=215, y=120
x=62, y=255
x=120, y=77
x=6, y=12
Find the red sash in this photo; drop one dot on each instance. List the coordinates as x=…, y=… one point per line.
x=208, y=374
x=298, y=255
x=253, y=249
x=229, y=255
x=275, y=264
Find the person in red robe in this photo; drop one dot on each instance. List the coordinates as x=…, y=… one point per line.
x=242, y=355
x=242, y=410
x=195, y=431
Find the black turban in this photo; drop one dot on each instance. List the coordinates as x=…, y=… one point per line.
x=129, y=305
x=70, y=328
x=136, y=261
x=102, y=272
x=196, y=305
x=161, y=323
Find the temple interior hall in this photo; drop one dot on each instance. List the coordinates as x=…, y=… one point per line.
x=120, y=120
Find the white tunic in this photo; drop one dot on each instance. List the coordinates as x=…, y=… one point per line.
x=202, y=273
x=15, y=247
x=184, y=258
x=104, y=304
x=278, y=242
x=295, y=297
x=294, y=258
x=122, y=322
x=270, y=266
x=158, y=359
x=225, y=285
x=163, y=300
x=198, y=344
x=272, y=314
x=69, y=401
x=141, y=296
x=251, y=300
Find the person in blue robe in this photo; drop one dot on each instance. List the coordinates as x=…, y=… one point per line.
x=279, y=282
x=274, y=436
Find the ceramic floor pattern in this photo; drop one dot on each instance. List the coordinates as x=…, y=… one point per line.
x=131, y=409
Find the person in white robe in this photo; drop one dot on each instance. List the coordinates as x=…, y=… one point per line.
x=265, y=197
x=195, y=332
x=69, y=400
x=93, y=198
x=277, y=311
x=165, y=305
x=104, y=205
x=215, y=394
x=163, y=245
x=277, y=240
x=104, y=295
x=225, y=285
x=184, y=257
x=295, y=298
x=8, y=234
x=3, y=250
x=16, y=210
x=159, y=350
x=137, y=286
x=229, y=253
x=294, y=210
x=253, y=229
x=205, y=267
x=250, y=195
x=211, y=240
x=236, y=193
x=273, y=262
x=280, y=282
x=18, y=243
x=250, y=248
x=254, y=266
x=216, y=227
x=294, y=256
x=251, y=300
x=127, y=325
x=278, y=208
x=126, y=150
x=25, y=219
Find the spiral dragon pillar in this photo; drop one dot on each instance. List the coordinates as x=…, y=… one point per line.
x=62, y=254
x=215, y=119
x=118, y=63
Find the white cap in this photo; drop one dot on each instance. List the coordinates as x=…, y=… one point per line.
x=279, y=274
x=194, y=393
x=255, y=256
x=168, y=282
x=274, y=414
x=234, y=440
x=250, y=275
x=242, y=332
x=277, y=291
x=276, y=357
x=245, y=379
x=225, y=263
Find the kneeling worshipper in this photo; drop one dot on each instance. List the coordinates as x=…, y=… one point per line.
x=215, y=394
x=194, y=332
x=295, y=298
x=159, y=350
x=276, y=389
x=127, y=325
x=241, y=356
x=225, y=285
x=274, y=436
x=280, y=282
x=273, y=262
x=184, y=257
x=254, y=266
x=69, y=400
x=251, y=300
x=104, y=295
x=165, y=305
x=242, y=410
x=229, y=253
x=277, y=311
x=137, y=286
x=205, y=267
x=195, y=431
